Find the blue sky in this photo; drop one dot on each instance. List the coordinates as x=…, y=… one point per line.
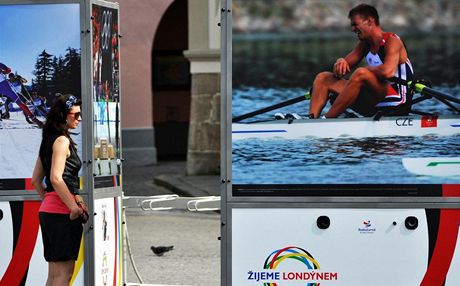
x=27, y=30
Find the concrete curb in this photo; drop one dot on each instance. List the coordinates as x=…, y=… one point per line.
x=196, y=186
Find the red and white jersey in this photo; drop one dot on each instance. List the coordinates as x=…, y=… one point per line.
x=397, y=93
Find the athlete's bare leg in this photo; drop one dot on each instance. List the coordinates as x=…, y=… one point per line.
x=323, y=84
x=360, y=78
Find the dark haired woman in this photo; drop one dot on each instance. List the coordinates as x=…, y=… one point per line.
x=59, y=164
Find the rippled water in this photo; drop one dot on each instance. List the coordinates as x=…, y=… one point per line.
x=331, y=161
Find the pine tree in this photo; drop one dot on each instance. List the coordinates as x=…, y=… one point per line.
x=43, y=73
x=72, y=67
x=59, y=76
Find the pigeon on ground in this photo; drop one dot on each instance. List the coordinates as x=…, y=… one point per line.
x=160, y=250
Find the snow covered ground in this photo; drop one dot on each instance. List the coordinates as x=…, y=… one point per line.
x=19, y=144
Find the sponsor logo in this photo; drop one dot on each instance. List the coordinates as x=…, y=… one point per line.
x=429, y=121
x=367, y=227
x=304, y=269
x=404, y=121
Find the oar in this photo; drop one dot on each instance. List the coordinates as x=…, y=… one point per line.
x=306, y=96
x=423, y=89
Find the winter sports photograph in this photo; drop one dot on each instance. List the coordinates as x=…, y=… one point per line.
x=40, y=60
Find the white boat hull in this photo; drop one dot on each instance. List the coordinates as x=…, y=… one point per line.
x=433, y=166
x=348, y=127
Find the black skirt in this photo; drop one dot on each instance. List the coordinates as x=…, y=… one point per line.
x=61, y=236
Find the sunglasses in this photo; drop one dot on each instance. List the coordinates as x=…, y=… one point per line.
x=76, y=115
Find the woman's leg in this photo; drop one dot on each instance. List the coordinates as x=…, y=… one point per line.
x=60, y=273
x=49, y=279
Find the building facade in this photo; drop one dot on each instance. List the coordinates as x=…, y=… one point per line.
x=170, y=77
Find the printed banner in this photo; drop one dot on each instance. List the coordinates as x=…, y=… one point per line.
x=279, y=49
x=39, y=60
x=345, y=247
x=108, y=242
x=106, y=90
x=21, y=258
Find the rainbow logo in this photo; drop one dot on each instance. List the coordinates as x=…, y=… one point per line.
x=290, y=252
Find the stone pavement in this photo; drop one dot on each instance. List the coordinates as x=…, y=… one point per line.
x=195, y=259
x=167, y=177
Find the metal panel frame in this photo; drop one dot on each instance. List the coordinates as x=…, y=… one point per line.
x=113, y=5
x=225, y=138
x=98, y=193
x=226, y=148
x=84, y=83
x=229, y=202
x=88, y=191
x=85, y=49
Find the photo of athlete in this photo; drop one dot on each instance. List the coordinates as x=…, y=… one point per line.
x=11, y=87
x=38, y=61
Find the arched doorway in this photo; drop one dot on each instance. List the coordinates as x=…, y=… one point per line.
x=171, y=83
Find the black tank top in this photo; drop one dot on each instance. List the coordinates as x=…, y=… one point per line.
x=71, y=169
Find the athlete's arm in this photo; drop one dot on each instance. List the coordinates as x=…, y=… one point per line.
x=37, y=178
x=60, y=152
x=390, y=64
x=343, y=65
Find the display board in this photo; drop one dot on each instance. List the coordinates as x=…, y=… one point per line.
x=345, y=246
x=359, y=199
x=39, y=60
x=106, y=144
x=21, y=259
x=108, y=242
x=49, y=48
x=277, y=49
x=106, y=92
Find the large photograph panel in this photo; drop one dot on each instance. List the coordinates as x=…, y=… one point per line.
x=106, y=90
x=278, y=49
x=39, y=60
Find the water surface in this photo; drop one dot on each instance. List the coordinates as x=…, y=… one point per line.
x=332, y=161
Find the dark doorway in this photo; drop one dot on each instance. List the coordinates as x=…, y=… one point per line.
x=171, y=83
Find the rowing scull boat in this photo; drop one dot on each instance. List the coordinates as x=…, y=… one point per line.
x=433, y=166
x=412, y=125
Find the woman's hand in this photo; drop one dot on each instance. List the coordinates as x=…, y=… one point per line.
x=81, y=203
x=83, y=207
x=75, y=212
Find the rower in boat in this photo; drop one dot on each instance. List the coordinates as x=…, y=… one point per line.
x=368, y=89
x=381, y=93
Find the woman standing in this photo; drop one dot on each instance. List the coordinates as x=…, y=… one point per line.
x=60, y=214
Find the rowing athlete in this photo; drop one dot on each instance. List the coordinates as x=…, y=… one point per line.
x=369, y=88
